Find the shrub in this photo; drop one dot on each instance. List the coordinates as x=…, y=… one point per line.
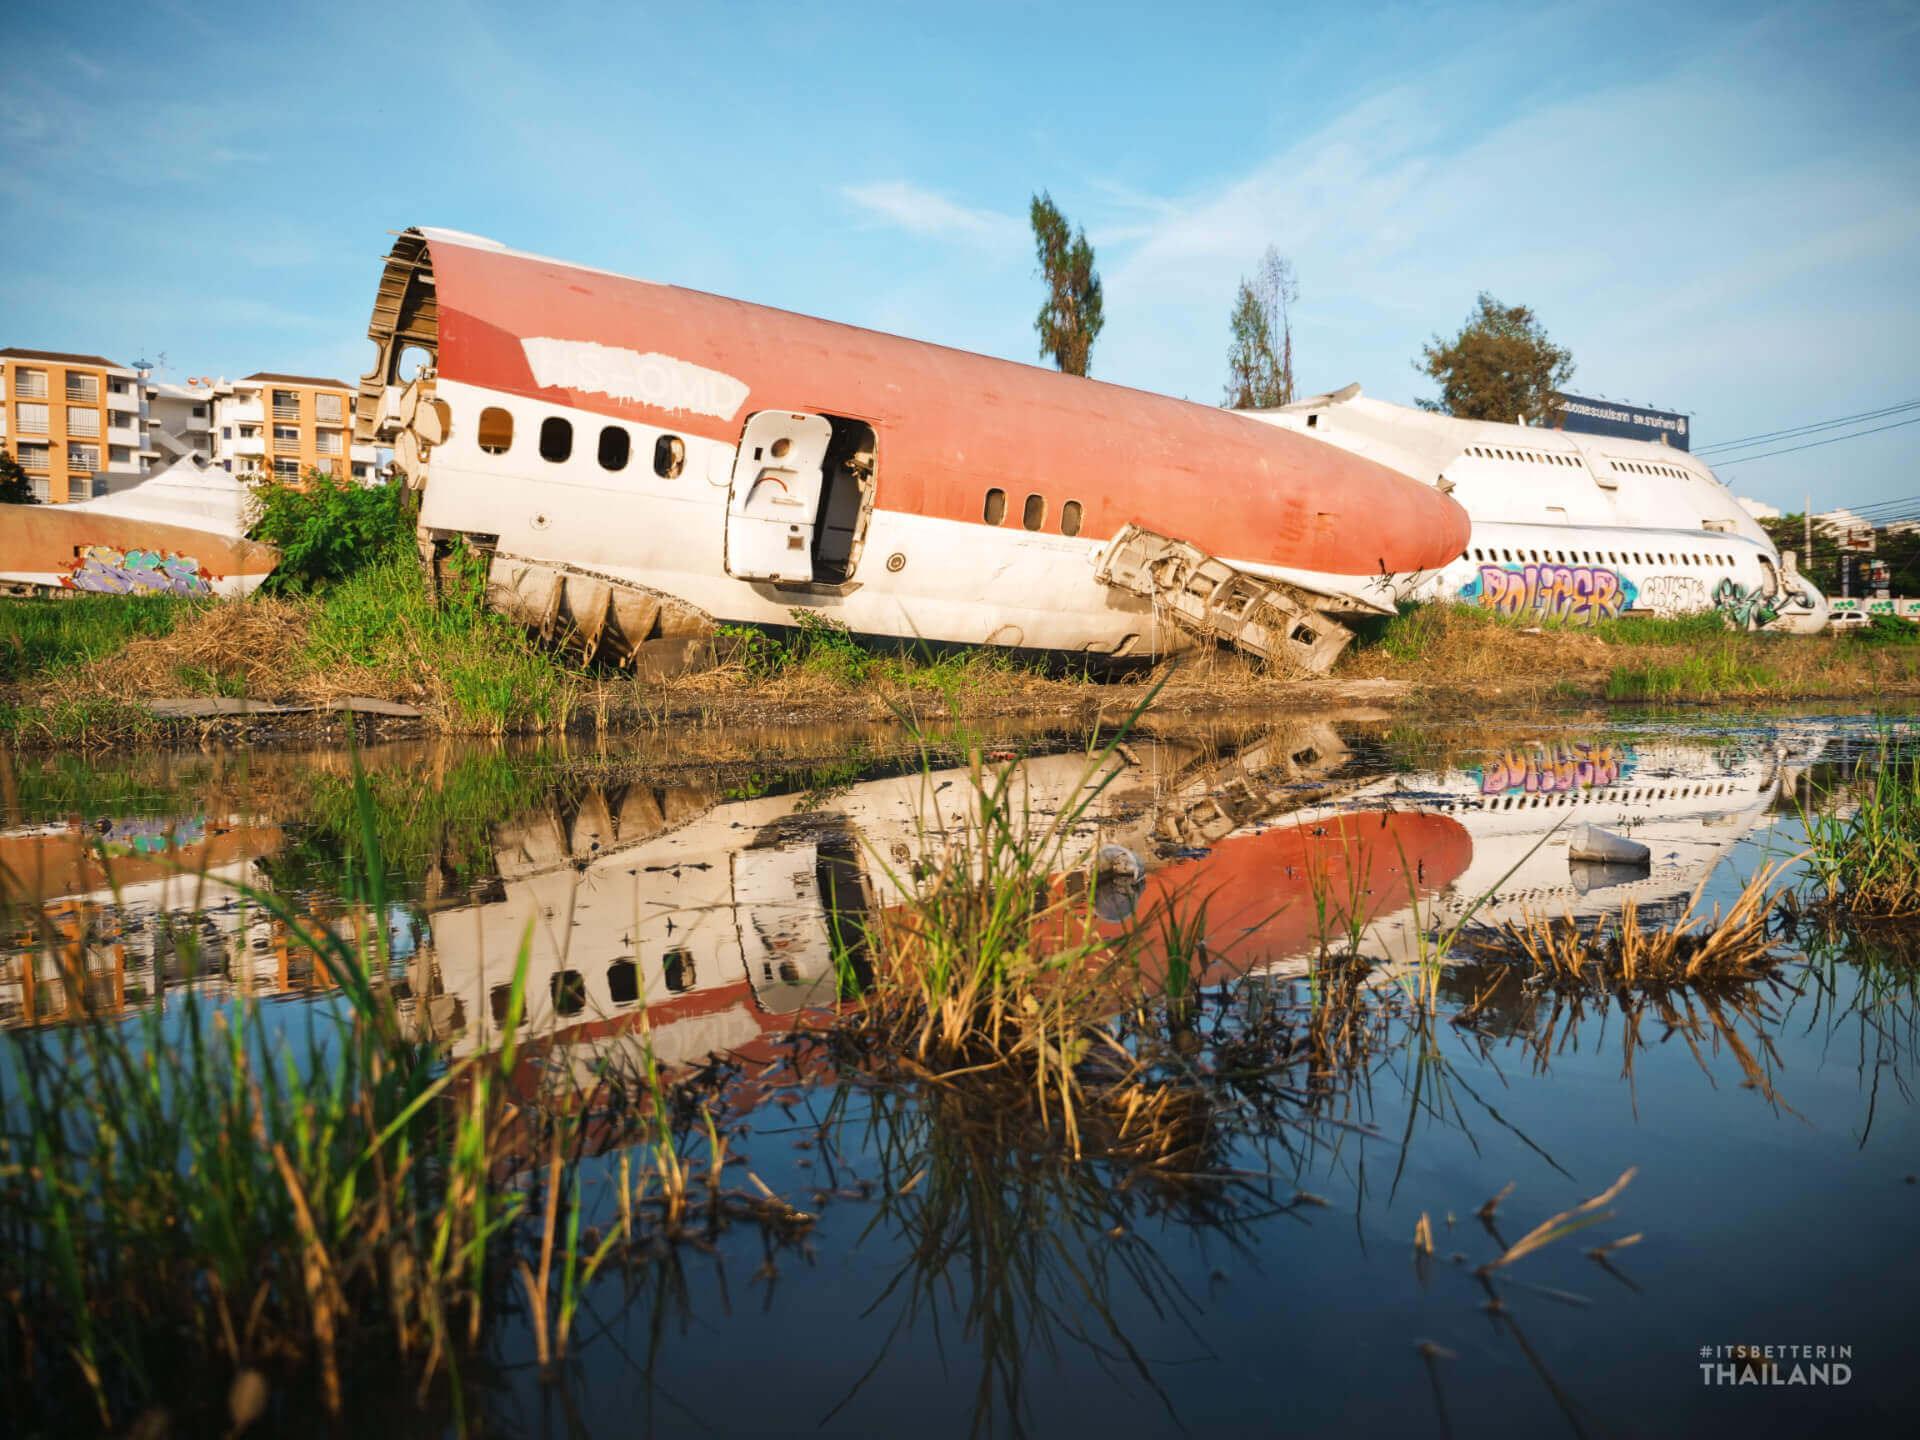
x=327, y=528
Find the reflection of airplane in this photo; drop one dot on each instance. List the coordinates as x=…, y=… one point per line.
x=122, y=897
x=1575, y=527
x=643, y=460
x=708, y=921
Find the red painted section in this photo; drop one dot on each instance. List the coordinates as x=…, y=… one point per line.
x=1259, y=889
x=954, y=424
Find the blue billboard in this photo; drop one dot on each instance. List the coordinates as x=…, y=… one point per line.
x=1623, y=422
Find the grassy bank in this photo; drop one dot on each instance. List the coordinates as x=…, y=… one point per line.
x=1446, y=647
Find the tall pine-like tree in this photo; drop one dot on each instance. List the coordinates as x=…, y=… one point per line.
x=1072, y=317
x=1260, y=357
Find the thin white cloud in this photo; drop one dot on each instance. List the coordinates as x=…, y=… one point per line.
x=922, y=212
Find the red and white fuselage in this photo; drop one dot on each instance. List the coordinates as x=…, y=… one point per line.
x=748, y=461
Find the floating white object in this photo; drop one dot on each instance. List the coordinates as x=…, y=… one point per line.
x=1590, y=842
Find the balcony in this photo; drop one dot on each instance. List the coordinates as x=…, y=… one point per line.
x=286, y=405
x=248, y=445
x=35, y=459
x=122, y=427
x=86, y=392
x=286, y=444
x=29, y=384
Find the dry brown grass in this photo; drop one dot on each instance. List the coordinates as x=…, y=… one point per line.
x=1694, y=948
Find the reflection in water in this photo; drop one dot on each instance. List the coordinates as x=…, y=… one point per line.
x=698, y=917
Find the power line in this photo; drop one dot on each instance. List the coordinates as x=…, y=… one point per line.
x=1795, y=431
x=1815, y=444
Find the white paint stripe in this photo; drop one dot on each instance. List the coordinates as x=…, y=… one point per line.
x=660, y=381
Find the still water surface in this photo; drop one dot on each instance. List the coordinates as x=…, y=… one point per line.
x=955, y=1285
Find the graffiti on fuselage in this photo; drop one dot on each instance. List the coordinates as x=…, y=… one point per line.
x=1551, y=769
x=105, y=570
x=1749, y=607
x=1674, y=594
x=1581, y=594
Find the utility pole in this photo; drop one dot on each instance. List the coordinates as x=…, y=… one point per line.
x=1809, y=518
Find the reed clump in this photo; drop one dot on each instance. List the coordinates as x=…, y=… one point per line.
x=1866, y=854
x=1694, y=948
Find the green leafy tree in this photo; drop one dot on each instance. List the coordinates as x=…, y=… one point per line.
x=1501, y=366
x=326, y=527
x=1072, y=317
x=15, y=487
x=1260, y=358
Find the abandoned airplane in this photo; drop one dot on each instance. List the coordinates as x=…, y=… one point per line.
x=1579, y=528
x=641, y=462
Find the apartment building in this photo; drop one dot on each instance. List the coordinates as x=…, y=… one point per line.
x=288, y=424
x=75, y=423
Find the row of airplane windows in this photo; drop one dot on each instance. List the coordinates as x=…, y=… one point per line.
x=1488, y=452
x=1595, y=557
x=1631, y=794
x=1033, y=514
x=1538, y=457
x=495, y=436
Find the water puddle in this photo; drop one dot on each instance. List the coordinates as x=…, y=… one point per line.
x=1339, y=1269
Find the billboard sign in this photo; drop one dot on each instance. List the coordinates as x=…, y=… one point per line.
x=1623, y=422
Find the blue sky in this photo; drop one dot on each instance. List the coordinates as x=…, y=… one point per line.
x=1717, y=209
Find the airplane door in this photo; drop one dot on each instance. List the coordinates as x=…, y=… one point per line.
x=774, y=501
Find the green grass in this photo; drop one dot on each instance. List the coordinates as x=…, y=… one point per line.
x=1867, y=854
x=496, y=678
x=1702, y=676
x=39, y=637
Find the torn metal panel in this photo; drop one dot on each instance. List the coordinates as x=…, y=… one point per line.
x=1209, y=597
x=596, y=617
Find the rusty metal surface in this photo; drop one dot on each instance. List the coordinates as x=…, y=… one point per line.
x=596, y=617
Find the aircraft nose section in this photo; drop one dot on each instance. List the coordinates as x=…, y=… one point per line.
x=1391, y=521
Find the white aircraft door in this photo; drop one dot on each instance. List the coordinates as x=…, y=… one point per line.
x=774, y=501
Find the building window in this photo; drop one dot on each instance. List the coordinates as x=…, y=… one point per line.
x=199, y=412
x=495, y=435
x=119, y=455
x=329, y=442
x=83, y=457
x=669, y=457
x=41, y=491
x=286, y=469
x=116, y=387
x=556, y=439
x=249, y=432
x=1070, y=518
x=85, y=423
x=30, y=419
x=286, y=405
x=326, y=409
x=286, y=438
x=226, y=432
x=996, y=507
x=79, y=487
x=615, y=447
x=83, y=389
x=1035, y=514
x=29, y=384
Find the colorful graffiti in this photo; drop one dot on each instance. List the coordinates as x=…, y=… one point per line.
x=1674, y=595
x=105, y=570
x=1748, y=607
x=1580, y=766
x=1582, y=594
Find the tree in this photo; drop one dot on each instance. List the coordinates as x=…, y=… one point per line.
x=15, y=488
x=1260, y=359
x=1501, y=366
x=1071, y=318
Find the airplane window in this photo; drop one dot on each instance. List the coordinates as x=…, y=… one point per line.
x=1070, y=518
x=556, y=439
x=623, y=982
x=679, y=970
x=615, y=446
x=495, y=434
x=996, y=510
x=568, y=987
x=1035, y=515
x=669, y=456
